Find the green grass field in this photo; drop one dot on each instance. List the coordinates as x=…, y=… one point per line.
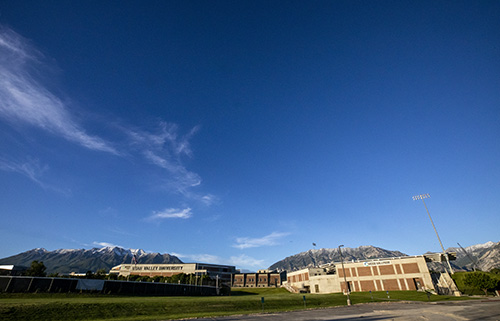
x=245, y=301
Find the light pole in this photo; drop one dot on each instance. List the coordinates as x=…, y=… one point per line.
x=422, y=197
x=345, y=279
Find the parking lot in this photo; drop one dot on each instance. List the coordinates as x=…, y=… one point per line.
x=482, y=309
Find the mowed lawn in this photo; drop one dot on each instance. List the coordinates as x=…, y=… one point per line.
x=245, y=301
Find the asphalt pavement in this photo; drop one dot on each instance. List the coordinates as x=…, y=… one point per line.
x=482, y=309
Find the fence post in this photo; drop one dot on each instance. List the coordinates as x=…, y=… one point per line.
x=8, y=284
x=50, y=286
x=29, y=286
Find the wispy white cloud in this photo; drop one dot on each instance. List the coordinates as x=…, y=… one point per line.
x=121, y=232
x=268, y=240
x=25, y=100
x=209, y=199
x=30, y=168
x=165, y=148
x=246, y=261
x=105, y=244
x=109, y=211
x=171, y=213
x=243, y=260
x=205, y=258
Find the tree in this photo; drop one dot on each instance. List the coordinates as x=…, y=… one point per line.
x=100, y=274
x=36, y=269
x=481, y=281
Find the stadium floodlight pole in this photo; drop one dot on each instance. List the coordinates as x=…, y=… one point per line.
x=345, y=279
x=422, y=197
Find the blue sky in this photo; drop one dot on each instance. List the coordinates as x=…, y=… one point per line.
x=240, y=132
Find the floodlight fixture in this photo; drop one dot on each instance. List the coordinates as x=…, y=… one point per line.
x=421, y=196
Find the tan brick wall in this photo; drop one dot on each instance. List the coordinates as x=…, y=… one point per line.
x=411, y=268
x=386, y=269
x=411, y=284
x=364, y=271
x=262, y=281
x=238, y=280
x=391, y=285
x=367, y=285
x=403, y=285
x=274, y=280
x=341, y=273
x=398, y=269
x=251, y=280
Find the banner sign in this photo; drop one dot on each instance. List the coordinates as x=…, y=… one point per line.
x=374, y=263
x=156, y=268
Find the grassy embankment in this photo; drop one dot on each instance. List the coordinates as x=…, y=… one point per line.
x=103, y=307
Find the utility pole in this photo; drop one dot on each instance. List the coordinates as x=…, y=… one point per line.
x=348, y=290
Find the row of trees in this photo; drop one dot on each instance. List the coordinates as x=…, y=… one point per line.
x=181, y=278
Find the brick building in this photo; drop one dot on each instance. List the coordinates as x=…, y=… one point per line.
x=261, y=279
x=391, y=274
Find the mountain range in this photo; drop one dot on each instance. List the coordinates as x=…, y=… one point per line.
x=64, y=261
x=483, y=257
x=322, y=256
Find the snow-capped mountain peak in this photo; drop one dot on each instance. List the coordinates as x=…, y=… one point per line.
x=480, y=246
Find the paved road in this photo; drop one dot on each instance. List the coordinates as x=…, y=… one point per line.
x=399, y=311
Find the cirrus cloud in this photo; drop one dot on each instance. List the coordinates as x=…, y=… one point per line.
x=105, y=244
x=243, y=260
x=171, y=213
x=25, y=100
x=268, y=240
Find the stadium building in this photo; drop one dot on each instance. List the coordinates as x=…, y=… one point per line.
x=391, y=274
x=224, y=272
